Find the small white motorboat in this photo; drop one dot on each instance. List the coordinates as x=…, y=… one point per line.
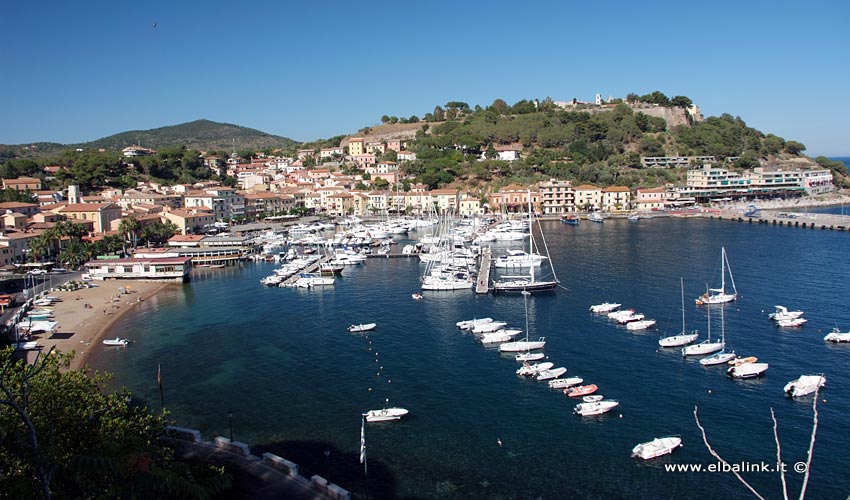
x=385, y=414
x=492, y=326
x=596, y=407
x=551, y=373
x=469, y=323
x=563, y=383
x=529, y=356
x=719, y=358
x=532, y=370
x=747, y=370
x=782, y=313
x=116, y=341
x=791, y=323
x=805, y=385
x=604, y=308
x=628, y=319
x=837, y=336
x=624, y=313
x=656, y=448
x=640, y=325
x=593, y=399
x=416, y=296
x=362, y=327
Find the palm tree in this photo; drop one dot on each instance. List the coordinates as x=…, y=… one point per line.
x=73, y=254
x=129, y=228
x=38, y=247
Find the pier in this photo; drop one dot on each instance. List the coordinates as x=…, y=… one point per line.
x=312, y=268
x=791, y=219
x=482, y=284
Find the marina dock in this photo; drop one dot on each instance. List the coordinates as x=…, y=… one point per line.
x=482, y=284
x=791, y=219
x=312, y=268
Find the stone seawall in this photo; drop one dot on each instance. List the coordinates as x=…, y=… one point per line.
x=279, y=476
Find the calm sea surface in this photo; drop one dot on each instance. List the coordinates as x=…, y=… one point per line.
x=297, y=381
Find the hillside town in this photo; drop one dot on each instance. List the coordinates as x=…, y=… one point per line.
x=270, y=188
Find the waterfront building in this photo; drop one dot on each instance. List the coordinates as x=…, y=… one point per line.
x=154, y=269
x=268, y=204
x=651, y=198
x=556, y=197
x=445, y=200
x=588, y=197
x=189, y=221
x=513, y=198
x=616, y=198
x=709, y=182
x=817, y=181
x=134, y=198
x=340, y=204
x=470, y=207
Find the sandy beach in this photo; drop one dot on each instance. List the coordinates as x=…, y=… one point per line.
x=81, y=328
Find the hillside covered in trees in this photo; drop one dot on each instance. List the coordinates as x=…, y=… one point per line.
x=456, y=146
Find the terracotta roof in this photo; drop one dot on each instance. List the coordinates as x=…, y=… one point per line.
x=87, y=207
x=616, y=189
x=586, y=187
x=17, y=204
x=513, y=187
x=187, y=237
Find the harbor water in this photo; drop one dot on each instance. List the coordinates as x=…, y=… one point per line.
x=296, y=381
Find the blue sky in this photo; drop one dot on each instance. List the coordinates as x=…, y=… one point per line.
x=79, y=71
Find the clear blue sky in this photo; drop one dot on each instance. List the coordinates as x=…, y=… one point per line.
x=79, y=71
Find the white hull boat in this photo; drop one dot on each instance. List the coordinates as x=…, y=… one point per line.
x=701, y=349
x=492, y=326
x=362, y=327
x=116, y=341
x=678, y=340
x=683, y=338
x=469, y=323
x=719, y=295
x=604, y=308
x=385, y=414
x=625, y=313
x=837, y=336
x=518, y=259
x=596, y=408
x=717, y=359
x=628, y=319
x=747, y=370
x=530, y=356
x=495, y=337
x=551, y=373
x=533, y=370
x=791, y=323
x=563, y=383
x=805, y=385
x=640, y=325
x=782, y=313
x=656, y=448
x=523, y=345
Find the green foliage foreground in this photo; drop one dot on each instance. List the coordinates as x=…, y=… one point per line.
x=62, y=436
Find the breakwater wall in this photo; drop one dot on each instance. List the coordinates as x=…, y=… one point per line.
x=281, y=474
x=803, y=221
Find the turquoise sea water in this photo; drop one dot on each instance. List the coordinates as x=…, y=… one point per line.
x=297, y=381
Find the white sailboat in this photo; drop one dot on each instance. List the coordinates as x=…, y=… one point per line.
x=524, y=345
x=722, y=356
x=719, y=295
x=683, y=338
x=704, y=347
x=528, y=283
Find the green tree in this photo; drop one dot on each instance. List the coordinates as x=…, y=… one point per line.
x=681, y=101
x=157, y=233
x=794, y=147
x=64, y=437
x=129, y=229
x=385, y=119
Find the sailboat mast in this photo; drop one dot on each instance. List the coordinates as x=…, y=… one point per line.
x=530, y=237
x=731, y=278
x=682, y=283
x=723, y=270
x=709, y=316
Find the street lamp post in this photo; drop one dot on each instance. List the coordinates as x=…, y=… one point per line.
x=230, y=422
